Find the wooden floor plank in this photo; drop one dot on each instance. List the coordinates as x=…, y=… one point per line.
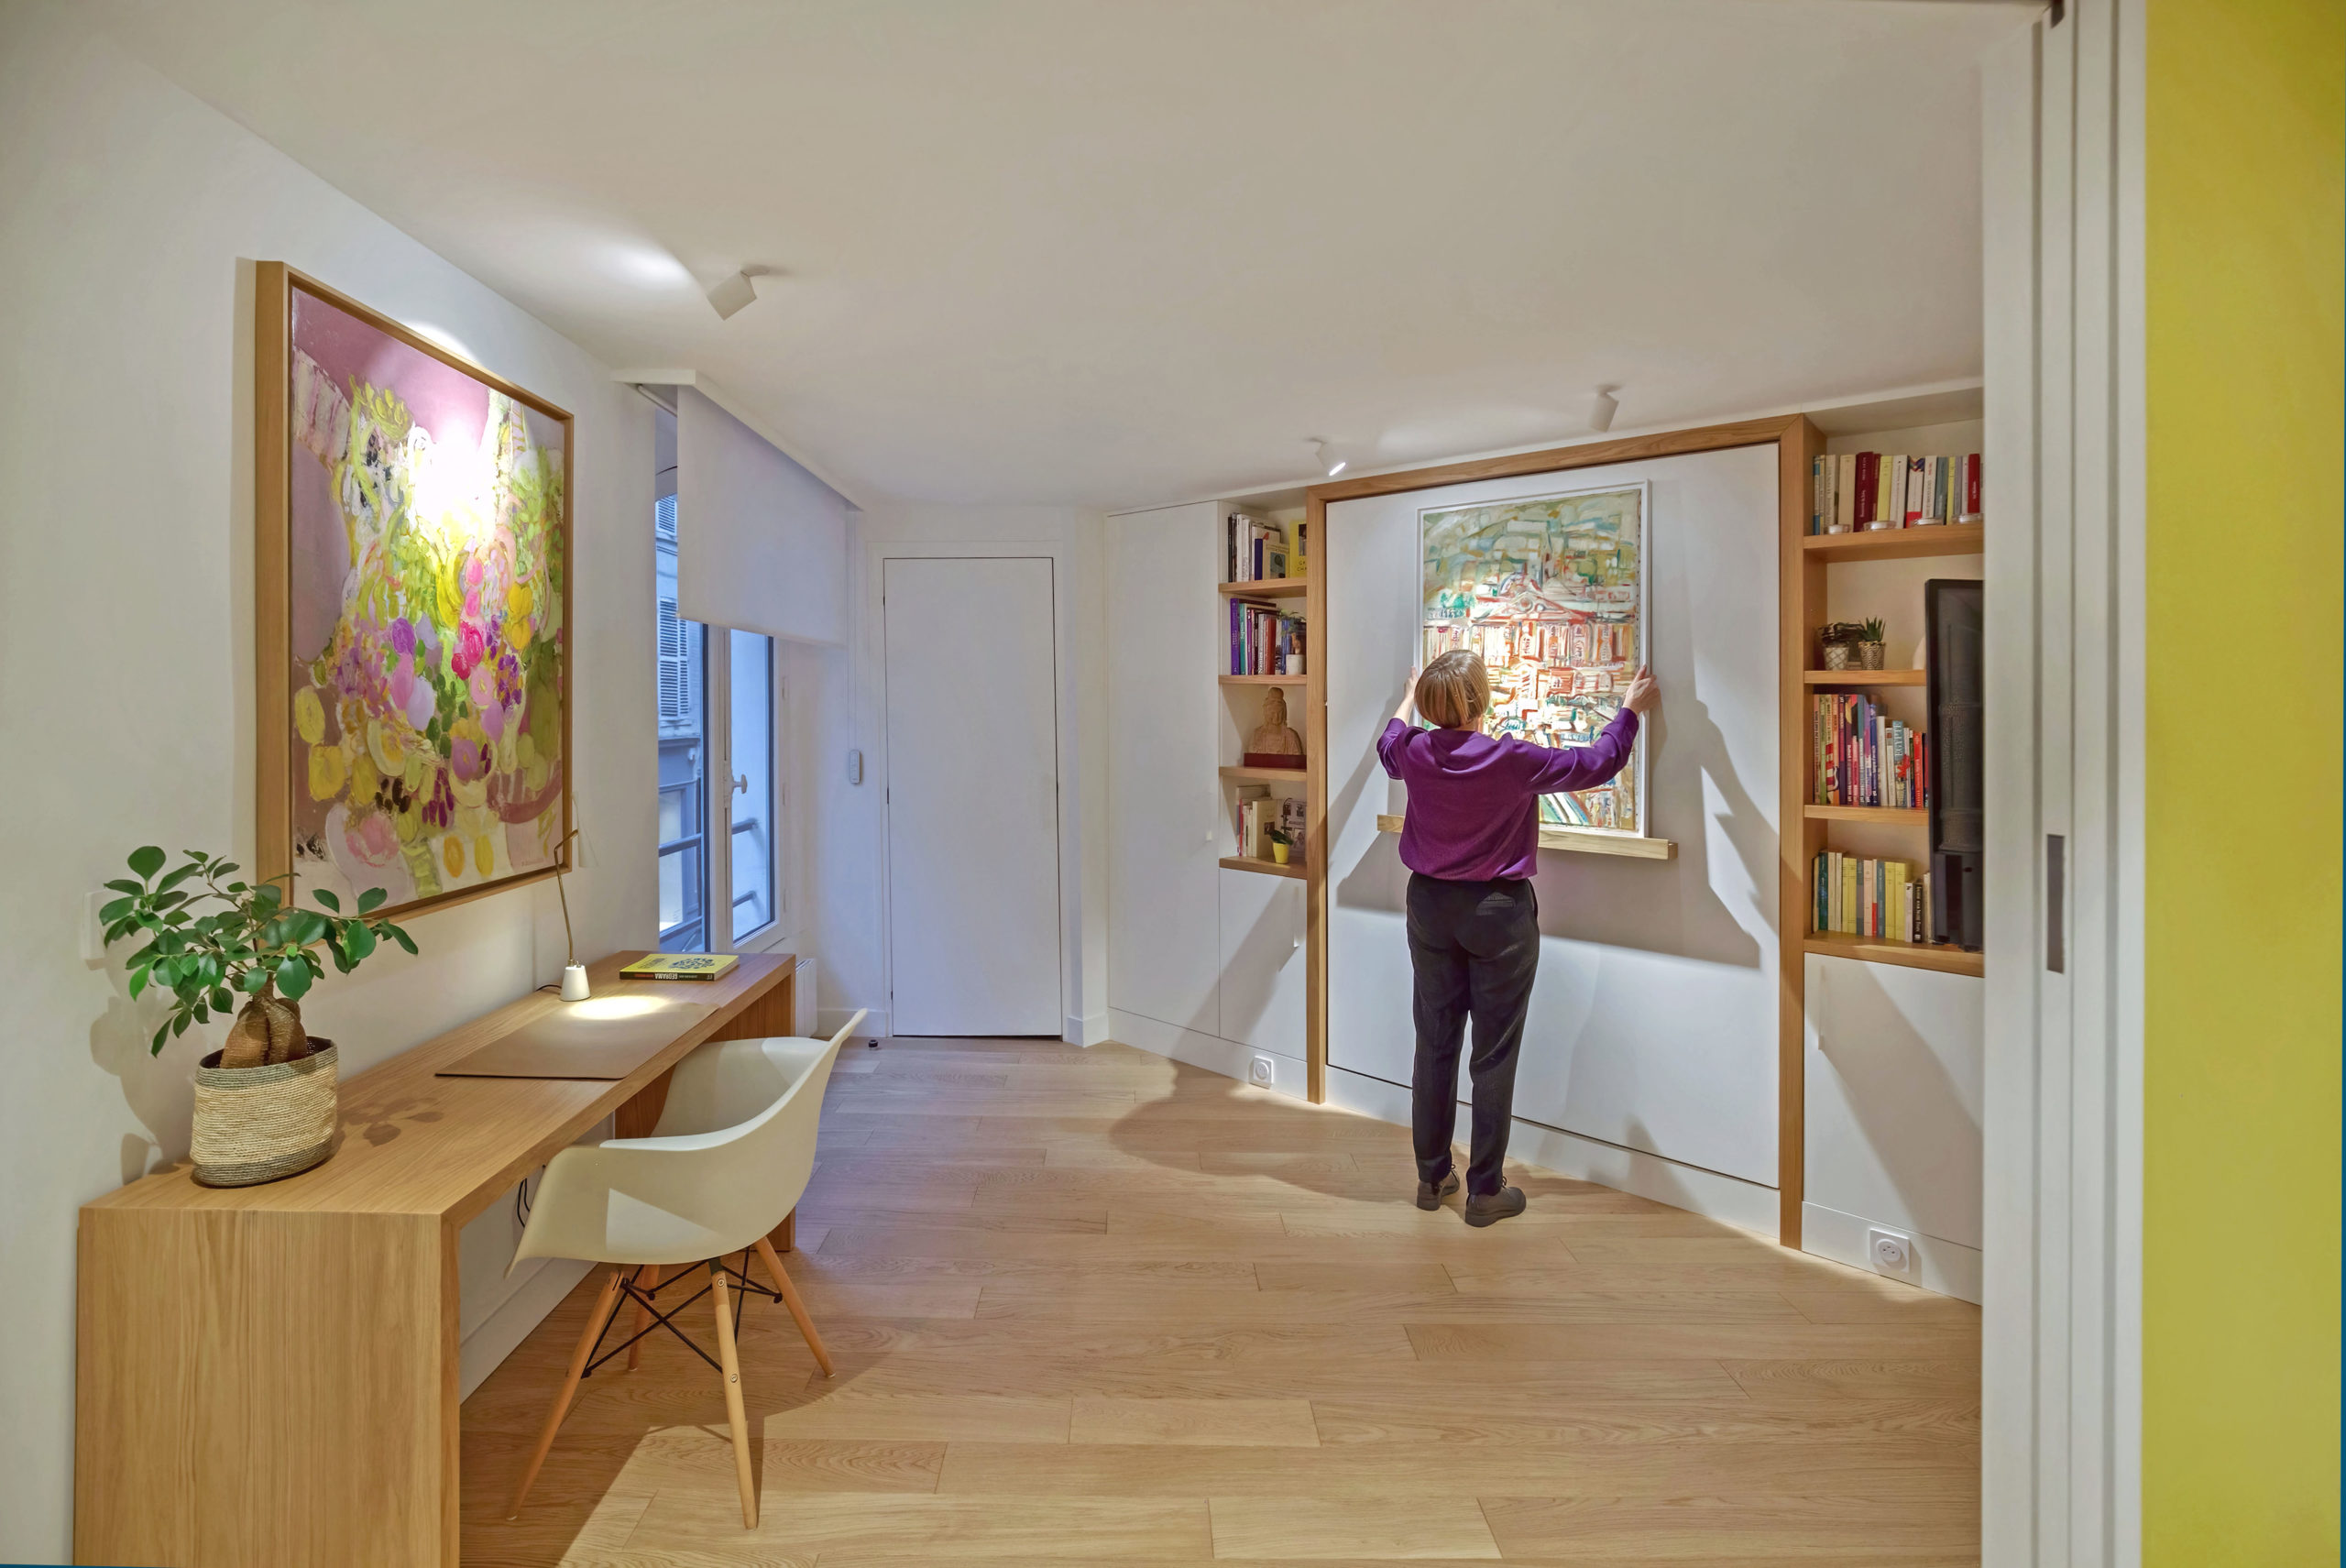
x=1092, y=1306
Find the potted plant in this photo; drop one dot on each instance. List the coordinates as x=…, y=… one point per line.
x=265, y=1102
x=1282, y=846
x=1838, y=641
x=1870, y=640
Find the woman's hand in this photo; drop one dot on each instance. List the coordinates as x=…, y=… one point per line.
x=1409, y=693
x=1643, y=696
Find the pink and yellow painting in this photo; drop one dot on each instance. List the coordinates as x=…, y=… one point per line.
x=425, y=554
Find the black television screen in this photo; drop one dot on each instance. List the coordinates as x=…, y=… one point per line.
x=1955, y=688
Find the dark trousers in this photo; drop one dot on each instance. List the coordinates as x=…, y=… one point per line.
x=1474, y=945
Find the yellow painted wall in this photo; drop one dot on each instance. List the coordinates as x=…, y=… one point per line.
x=2245, y=122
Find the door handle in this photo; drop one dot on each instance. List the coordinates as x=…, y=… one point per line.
x=740, y=783
x=2057, y=953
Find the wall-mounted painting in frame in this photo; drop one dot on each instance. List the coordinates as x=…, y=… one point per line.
x=1550, y=590
x=413, y=539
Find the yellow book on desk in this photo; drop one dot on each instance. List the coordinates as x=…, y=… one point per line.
x=679, y=965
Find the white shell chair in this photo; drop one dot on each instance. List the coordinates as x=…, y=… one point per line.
x=726, y=1163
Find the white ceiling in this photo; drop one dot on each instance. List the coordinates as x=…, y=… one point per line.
x=1063, y=251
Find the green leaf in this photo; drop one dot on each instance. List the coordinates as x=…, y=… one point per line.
x=265, y=897
x=327, y=899
x=357, y=940
x=156, y=1049
x=123, y=884
x=223, y=867
x=253, y=982
x=372, y=899
x=203, y=1014
x=222, y=1002
x=178, y=1024
x=179, y=876
x=146, y=860
x=396, y=934
x=116, y=910
x=294, y=977
x=137, y=982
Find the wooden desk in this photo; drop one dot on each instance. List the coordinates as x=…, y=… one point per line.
x=266, y=1377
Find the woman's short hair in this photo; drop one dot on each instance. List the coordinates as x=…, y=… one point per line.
x=1454, y=691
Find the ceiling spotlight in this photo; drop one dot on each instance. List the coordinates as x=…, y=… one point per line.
x=737, y=292
x=1332, y=462
x=1601, y=412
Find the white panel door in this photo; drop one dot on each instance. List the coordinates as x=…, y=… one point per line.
x=973, y=836
x=1165, y=826
x=1262, y=962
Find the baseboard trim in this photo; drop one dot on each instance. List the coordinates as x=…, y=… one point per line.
x=1089, y=1031
x=1228, y=1058
x=486, y=1348
x=1728, y=1198
x=830, y=1021
x=1949, y=1268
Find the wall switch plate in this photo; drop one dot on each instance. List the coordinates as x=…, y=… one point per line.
x=1889, y=1252
x=1262, y=1070
x=855, y=767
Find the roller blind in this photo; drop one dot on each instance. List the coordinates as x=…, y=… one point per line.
x=761, y=542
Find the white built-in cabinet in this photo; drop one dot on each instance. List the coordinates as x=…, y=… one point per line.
x=1214, y=953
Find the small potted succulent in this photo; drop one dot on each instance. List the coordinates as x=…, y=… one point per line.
x=1870, y=640
x=266, y=1102
x=1282, y=845
x=1838, y=642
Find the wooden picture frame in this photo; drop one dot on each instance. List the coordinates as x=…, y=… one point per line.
x=352, y=785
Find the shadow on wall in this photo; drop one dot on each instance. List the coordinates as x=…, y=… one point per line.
x=1661, y=906
x=1921, y=1126
x=158, y=1090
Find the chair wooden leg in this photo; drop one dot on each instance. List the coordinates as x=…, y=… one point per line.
x=730, y=1359
x=650, y=1280
x=797, y=1308
x=605, y=1304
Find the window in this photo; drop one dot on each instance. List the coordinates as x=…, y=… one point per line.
x=755, y=836
x=684, y=749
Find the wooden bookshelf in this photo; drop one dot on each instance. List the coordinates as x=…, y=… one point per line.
x=1911, y=955
x=1894, y=543
x=1889, y=815
x=1268, y=776
x=1269, y=588
x=1865, y=677
x=1268, y=868
x=1294, y=682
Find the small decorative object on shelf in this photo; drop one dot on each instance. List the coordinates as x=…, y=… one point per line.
x=1281, y=847
x=1870, y=644
x=1273, y=744
x=266, y=1102
x=1838, y=641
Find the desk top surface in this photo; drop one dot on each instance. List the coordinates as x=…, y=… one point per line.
x=420, y=1144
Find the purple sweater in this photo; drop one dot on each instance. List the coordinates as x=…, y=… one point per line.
x=1474, y=801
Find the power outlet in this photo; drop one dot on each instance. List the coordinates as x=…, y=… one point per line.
x=1889, y=1252
x=1261, y=1071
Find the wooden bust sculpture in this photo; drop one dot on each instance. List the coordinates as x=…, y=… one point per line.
x=1273, y=744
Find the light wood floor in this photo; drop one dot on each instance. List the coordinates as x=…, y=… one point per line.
x=1095, y=1307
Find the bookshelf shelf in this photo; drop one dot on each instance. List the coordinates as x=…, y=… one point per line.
x=1268, y=868
x=1269, y=588
x=1293, y=682
x=1581, y=841
x=1864, y=677
x=1896, y=543
x=1268, y=776
x=1899, y=816
x=1913, y=955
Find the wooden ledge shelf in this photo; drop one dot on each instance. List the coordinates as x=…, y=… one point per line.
x=1892, y=816
x=1296, y=681
x=1268, y=868
x=1269, y=588
x=1582, y=840
x=1864, y=677
x=1910, y=955
x=1268, y=776
x=1896, y=543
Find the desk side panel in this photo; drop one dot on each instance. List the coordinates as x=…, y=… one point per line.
x=264, y=1390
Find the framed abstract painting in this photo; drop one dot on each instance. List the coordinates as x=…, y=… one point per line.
x=412, y=541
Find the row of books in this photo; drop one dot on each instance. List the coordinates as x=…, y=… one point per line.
x=1260, y=551
x=1864, y=757
x=1257, y=811
x=1264, y=640
x=1856, y=492
x=1857, y=897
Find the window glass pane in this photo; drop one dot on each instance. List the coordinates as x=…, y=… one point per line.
x=684, y=749
x=752, y=792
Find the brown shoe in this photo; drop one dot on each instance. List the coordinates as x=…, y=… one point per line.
x=1490, y=1208
x=1430, y=1199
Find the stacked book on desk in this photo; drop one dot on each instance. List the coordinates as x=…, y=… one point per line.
x=1857, y=492
x=1883, y=899
x=1864, y=757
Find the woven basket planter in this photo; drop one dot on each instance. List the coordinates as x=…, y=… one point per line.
x=257, y=1123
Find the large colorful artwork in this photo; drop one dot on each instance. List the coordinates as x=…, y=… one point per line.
x=423, y=733
x=1550, y=592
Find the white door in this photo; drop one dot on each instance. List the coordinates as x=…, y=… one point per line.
x=973, y=836
x=1165, y=803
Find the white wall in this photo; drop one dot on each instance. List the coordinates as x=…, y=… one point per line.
x=850, y=926
x=1654, y=1022
x=132, y=214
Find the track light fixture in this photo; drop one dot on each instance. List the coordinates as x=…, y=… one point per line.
x=1601, y=411
x=1331, y=460
x=731, y=295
